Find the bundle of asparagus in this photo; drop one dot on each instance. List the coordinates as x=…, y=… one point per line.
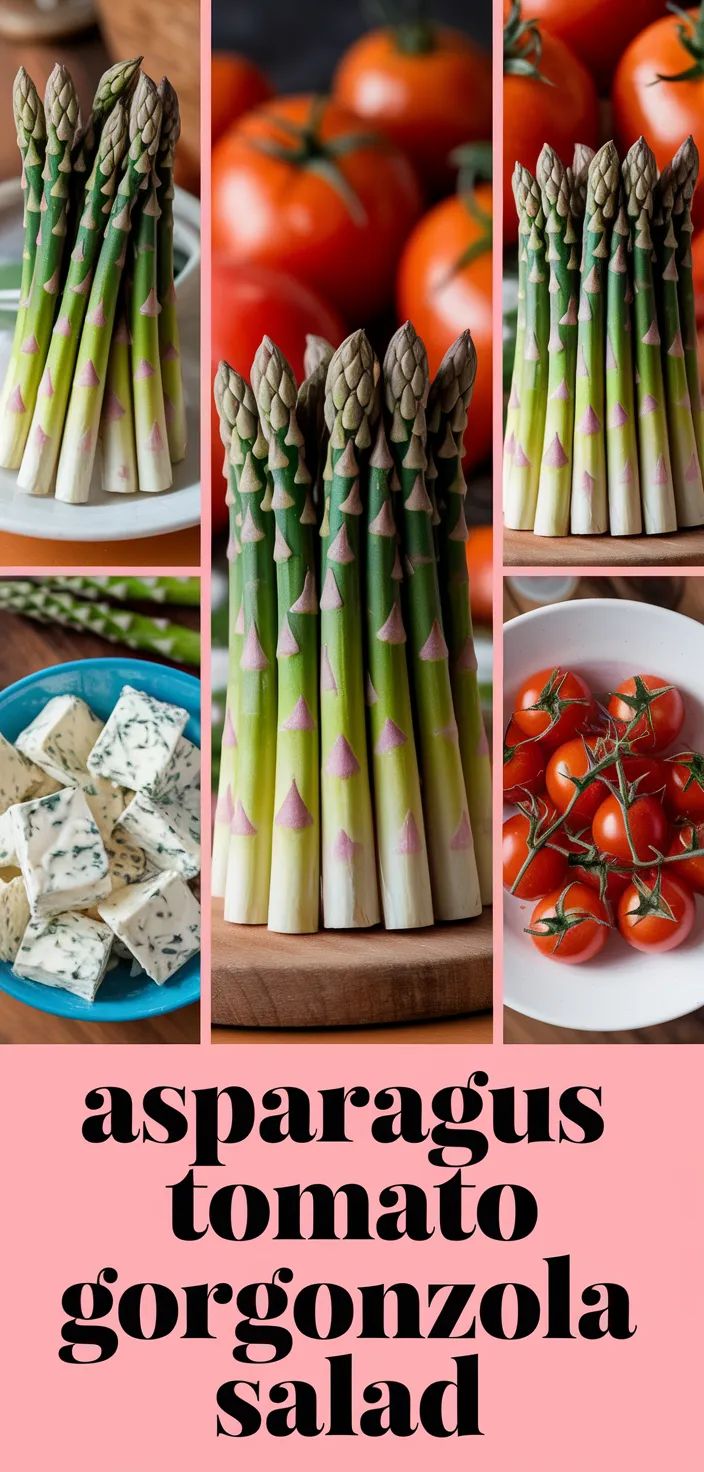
x=605, y=425
x=95, y=355
x=61, y=601
x=347, y=530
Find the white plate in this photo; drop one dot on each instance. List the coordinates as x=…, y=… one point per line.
x=105, y=517
x=606, y=641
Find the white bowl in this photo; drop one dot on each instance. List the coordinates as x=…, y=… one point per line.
x=605, y=641
x=106, y=517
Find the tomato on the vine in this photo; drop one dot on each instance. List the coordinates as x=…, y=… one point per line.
x=646, y=821
x=685, y=840
x=685, y=785
x=649, y=711
x=237, y=85
x=524, y=765
x=597, y=31
x=553, y=705
x=603, y=878
x=570, y=761
x=570, y=925
x=547, y=867
x=656, y=914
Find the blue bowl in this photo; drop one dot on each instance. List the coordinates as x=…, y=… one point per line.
x=121, y=998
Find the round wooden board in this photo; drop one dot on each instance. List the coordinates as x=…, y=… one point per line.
x=348, y=978
x=682, y=549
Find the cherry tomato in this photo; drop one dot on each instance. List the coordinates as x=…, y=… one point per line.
x=547, y=868
x=656, y=922
x=524, y=765
x=570, y=925
x=441, y=291
x=661, y=719
x=648, y=772
x=554, y=722
x=426, y=87
x=597, y=31
x=480, y=566
x=647, y=823
x=689, y=836
x=568, y=761
x=237, y=85
x=614, y=884
x=698, y=271
x=298, y=185
x=685, y=785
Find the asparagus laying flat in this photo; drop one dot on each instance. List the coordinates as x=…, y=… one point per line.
x=151, y=635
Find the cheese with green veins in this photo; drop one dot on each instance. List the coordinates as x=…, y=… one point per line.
x=126, y=861
x=170, y=836
x=19, y=778
x=60, y=740
x=14, y=917
x=60, y=852
x=159, y=922
x=68, y=951
x=179, y=788
x=8, y=852
x=138, y=741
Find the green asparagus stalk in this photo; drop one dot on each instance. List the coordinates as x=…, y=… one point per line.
x=350, y=891
x=118, y=449
x=225, y=809
x=524, y=471
x=153, y=458
x=623, y=474
x=169, y=346
x=552, y=517
x=294, y=901
x=453, y=868
x=249, y=861
x=521, y=186
x=61, y=111
x=118, y=82
x=404, y=875
x=317, y=350
x=41, y=453
x=581, y=164
x=659, y=514
x=686, y=470
x=448, y=405
x=31, y=141
x=80, y=438
x=156, y=636
x=589, y=513
x=310, y=413
x=181, y=592
x=686, y=172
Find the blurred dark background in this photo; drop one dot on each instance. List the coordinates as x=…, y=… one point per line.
x=298, y=42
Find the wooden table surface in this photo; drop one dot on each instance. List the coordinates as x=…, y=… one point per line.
x=681, y=549
x=26, y=647
x=477, y=1029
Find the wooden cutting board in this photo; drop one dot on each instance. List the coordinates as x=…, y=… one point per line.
x=681, y=549
x=348, y=978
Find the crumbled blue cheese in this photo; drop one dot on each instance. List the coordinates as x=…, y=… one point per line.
x=138, y=741
x=60, y=740
x=68, y=951
x=14, y=917
x=19, y=778
x=60, y=852
x=8, y=853
x=126, y=861
x=159, y=921
x=169, y=835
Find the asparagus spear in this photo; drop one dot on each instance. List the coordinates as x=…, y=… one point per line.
x=403, y=857
x=448, y=404
x=118, y=449
x=153, y=458
x=169, y=346
x=524, y=470
x=83, y=417
x=686, y=171
x=317, y=350
x=41, y=453
x=117, y=82
x=589, y=513
x=623, y=474
x=659, y=514
x=581, y=164
x=136, y=631
x=453, y=869
x=552, y=517
x=61, y=110
x=310, y=413
x=185, y=592
x=31, y=141
x=686, y=470
x=521, y=185
x=294, y=901
x=350, y=891
x=249, y=860
x=225, y=808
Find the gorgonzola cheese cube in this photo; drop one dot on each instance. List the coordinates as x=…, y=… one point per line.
x=14, y=917
x=170, y=836
x=126, y=861
x=67, y=951
x=60, y=740
x=19, y=778
x=179, y=788
x=159, y=921
x=60, y=852
x=8, y=854
x=138, y=741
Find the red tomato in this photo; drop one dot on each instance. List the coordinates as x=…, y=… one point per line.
x=614, y=884
x=648, y=772
x=564, y=703
x=249, y=302
x=690, y=836
x=427, y=87
x=660, y=720
x=547, y=868
x=663, y=112
x=568, y=761
x=237, y=86
x=685, y=785
x=698, y=269
x=597, y=31
x=299, y=186
x=480, y=566
x=442, y=292
x=524, y=765
x=647, y=823
x=652, y=922
x=571, y=926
